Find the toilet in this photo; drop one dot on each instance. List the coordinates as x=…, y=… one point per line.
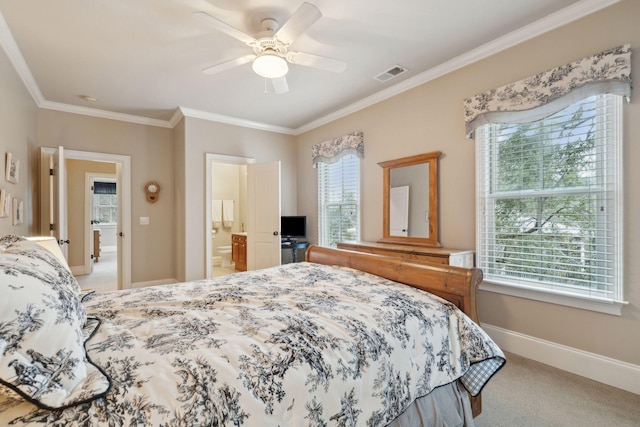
x=225, y=252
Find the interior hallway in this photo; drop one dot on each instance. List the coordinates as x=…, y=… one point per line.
x=105, y=274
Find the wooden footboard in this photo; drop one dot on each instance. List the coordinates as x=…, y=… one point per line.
x=455, y=284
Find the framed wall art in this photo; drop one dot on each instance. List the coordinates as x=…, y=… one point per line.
x=5, y=203
x=18, y=211
x=12, y=169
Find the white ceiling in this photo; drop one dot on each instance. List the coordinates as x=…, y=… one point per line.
x=142, y=59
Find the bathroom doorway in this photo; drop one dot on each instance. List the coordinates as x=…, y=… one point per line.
x=259, y=216
x=228, y=213
x=226, y=202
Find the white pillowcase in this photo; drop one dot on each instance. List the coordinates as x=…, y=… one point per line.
x=42, y=329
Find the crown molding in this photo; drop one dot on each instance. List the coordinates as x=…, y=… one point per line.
x=535, y=29
x=197, y=114
x=104, y=114
x=546, y=24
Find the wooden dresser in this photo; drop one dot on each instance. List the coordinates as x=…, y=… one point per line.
x=455, y=257
x=239, y=251
x=96, y=245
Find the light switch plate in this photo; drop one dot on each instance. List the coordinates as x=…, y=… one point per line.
x=144, y=220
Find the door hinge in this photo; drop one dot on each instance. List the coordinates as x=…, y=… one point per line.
x=52, y=227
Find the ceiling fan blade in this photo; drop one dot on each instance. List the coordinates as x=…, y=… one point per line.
x=225, y=28
x=316, y=61
x=228, y=65
x=301, y=19
x=280, y=85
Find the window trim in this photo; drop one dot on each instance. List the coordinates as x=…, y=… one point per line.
x=320, y=211
x=513, y=287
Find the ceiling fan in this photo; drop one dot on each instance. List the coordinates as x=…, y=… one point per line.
x=271, y=47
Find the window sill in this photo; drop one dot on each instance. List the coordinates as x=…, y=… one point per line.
x=601, y=306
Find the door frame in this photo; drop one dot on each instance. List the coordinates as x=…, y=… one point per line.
x=124, y=255
x=208, y=177
x=89, y=177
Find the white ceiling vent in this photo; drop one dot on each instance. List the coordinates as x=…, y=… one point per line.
x=392, y=72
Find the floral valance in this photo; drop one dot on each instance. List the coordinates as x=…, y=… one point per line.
x=538, y=96
x=334, y=149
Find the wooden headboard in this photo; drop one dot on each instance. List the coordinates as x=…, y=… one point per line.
x=456, y=284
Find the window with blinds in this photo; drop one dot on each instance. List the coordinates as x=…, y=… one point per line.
x=550, y=201
x=338, y=201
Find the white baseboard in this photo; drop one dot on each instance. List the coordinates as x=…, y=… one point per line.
x=616, y=373
x=153, y=283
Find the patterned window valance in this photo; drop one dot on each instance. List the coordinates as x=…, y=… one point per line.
x=333, y=150
x=546, y=93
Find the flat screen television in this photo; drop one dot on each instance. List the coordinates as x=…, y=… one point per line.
x=293, y=227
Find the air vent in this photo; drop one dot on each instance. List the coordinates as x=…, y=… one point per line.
x=392, y=72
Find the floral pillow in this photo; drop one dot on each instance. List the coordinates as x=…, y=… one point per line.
x=42, y=329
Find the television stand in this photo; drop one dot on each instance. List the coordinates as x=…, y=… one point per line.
x=294, y=245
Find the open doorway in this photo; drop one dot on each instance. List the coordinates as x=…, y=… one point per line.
x=226, y=185
x=262, y=235
x=100, y=223
x=59, y=190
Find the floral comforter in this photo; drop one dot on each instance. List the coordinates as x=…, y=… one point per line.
x=301, y=344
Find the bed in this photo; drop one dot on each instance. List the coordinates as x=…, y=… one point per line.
x=344, y=338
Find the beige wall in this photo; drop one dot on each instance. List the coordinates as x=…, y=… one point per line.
x=151, y=152
x=18, y=136
x=179, y=185
x=430, y=117
x=76, y=220
x=426, y=118
x=202, y=137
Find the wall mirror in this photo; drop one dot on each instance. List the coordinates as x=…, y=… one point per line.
x=410, y=200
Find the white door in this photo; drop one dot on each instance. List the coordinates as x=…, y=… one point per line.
x=89, y=217
x=263, y=215
x=399, y=211
x=53, y=201
x=58, y=200
x=120, y=227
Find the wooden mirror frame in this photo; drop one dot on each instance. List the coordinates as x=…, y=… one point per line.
x=432, y=159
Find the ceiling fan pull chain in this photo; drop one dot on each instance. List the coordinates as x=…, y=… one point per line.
x=265, y=86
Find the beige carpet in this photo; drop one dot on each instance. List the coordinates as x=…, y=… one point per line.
x=104, y=276
x=530, y=394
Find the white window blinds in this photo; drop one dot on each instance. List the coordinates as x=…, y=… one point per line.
x=550, y=201
x=338, y=201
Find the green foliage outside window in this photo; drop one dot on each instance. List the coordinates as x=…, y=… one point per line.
x=105, y=208
x=548, y=209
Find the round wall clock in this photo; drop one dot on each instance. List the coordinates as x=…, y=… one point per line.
x=152, y=189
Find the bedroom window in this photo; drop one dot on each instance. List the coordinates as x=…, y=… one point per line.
x=105, y=203
x=339, y=200
x=550, y=205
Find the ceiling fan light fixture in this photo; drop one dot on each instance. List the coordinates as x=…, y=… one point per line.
x=270, y=66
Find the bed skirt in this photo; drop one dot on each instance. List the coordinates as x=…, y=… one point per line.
x=448, y=406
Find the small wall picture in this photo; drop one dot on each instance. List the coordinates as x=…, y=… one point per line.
x=5, y=203
x=12, y=169
x=18, y=211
